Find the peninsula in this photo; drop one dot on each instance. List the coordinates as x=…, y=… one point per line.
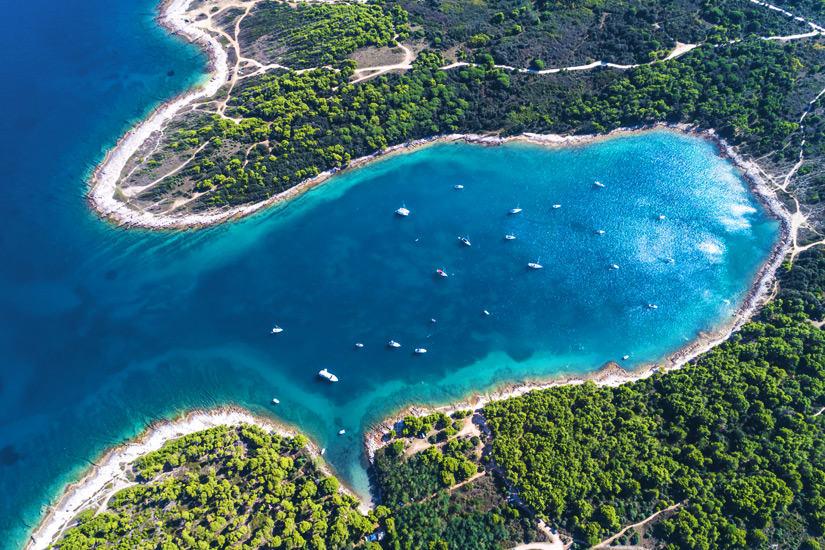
x=302, y=91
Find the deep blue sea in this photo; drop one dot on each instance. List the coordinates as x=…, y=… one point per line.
x=104, y=330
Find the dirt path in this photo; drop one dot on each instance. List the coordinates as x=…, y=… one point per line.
x=406, y=64
x=606, y=542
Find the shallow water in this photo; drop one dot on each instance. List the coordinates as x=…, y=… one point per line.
x=106, y=330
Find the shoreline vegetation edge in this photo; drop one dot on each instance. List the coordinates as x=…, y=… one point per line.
x=107, y=475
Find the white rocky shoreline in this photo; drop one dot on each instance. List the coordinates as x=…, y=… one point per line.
x=108, y=475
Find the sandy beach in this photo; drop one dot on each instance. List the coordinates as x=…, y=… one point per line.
x=108, y=476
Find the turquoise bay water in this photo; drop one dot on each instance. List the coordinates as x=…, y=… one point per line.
x=106, y=330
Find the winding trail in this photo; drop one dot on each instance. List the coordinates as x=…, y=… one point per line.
x=606, y=542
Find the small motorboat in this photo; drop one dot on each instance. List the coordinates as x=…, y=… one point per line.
x=323, y=451
x=626, y=357
x=598, y=184
x=614, y=266
x=465, y=240
x=600, y=232
x=510, y=237
x=515, y=210
x=652, y=306
x=441, y=272
x=393, y=344
x=556, y=206
x=432, y=320
x=670, y=260
x=661, y=216
x=403, y=211
x=275, y=401
x=459, y=187
x=277, y=329
x=359, y=345
x=342, y=432
x=325, y=374
x=420, y=350
x=486, y=312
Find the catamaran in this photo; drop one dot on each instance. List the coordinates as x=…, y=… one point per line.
x=328, y=375
x=393, y=344
x=420, y=350
x=403, y=211
x=277, y=329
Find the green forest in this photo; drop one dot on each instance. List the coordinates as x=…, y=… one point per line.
x=227, y=487
x=315, y=121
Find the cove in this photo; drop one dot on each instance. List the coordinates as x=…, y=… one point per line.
x=150, y=324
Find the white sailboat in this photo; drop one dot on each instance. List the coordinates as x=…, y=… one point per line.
x=277, y=329
x=535, y=265
x=598, y=184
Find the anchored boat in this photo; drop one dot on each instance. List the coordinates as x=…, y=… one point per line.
x=328, y=375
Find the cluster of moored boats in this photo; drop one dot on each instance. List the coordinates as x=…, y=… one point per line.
x=403, y=211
